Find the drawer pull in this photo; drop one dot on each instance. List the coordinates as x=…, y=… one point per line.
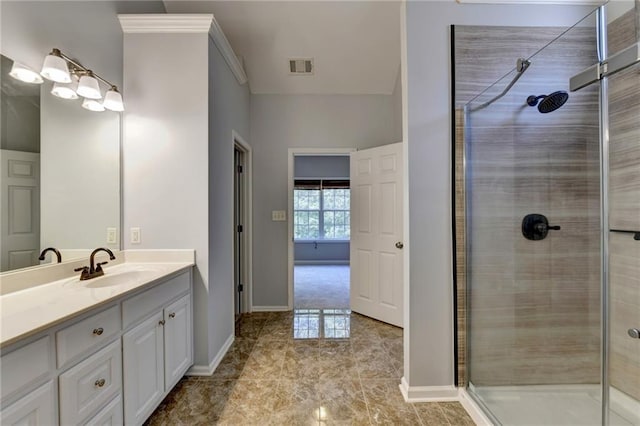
x=100, y=383
x=161, y=322
x=98, y=331
x=172, y=315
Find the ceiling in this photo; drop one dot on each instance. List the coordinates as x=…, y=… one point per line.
x=355, y=44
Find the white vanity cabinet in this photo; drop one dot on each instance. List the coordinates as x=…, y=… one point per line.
x=159, y=349
x=110, y=365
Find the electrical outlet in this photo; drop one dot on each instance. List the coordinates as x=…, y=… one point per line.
x=135, y=236
x=112, y=237
x=278, y=215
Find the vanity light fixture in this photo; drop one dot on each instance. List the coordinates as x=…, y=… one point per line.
x=55, y=68
x=74, y=80
x=66, y=90
x=25, y=74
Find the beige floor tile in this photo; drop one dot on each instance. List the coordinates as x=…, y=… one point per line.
x=431, y=414
x=269, y=378
x=456, y=414
x=386, y=405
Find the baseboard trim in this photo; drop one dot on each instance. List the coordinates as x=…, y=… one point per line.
x=269, y=308
x=207, y=370
x=474, y=410
x=428, y=393
x=320, y=262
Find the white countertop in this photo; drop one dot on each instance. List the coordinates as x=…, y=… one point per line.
x=31, y=310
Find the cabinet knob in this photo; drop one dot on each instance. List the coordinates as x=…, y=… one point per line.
x=100, y=383
x=98, y=331
x=161, y=322
x=172, y=315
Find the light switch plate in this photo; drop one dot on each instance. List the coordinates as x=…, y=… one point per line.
x=278, y=215
x=135, y=236
x=112, y=237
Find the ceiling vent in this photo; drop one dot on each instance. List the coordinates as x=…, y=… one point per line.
x=301, y=66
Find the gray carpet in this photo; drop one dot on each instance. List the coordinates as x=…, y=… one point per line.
x=321, y=286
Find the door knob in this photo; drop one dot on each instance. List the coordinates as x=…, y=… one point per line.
x=399, y=245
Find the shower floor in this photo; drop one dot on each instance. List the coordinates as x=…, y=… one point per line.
x=559, y=405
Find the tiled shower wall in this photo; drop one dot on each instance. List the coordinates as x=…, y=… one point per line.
x=624, y=195
x=535, y=310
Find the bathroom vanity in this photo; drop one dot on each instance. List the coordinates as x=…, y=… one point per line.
x=100, y=351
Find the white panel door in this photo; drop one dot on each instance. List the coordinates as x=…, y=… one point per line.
x=376, y=233
x=143, y=358
x=178, y=353
x=19, y=209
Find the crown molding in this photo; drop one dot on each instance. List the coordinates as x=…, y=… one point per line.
x=166, y=23
x=227, y=52
x=185, y=23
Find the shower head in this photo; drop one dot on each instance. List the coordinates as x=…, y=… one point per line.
x=549, y=103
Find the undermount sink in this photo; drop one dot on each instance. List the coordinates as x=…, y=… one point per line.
x=118, y=276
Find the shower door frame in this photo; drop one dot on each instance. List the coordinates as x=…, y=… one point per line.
x=598, y=73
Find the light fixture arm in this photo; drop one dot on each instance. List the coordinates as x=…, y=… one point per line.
x=78, y=69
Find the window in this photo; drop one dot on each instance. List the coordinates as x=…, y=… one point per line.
x=321, y=210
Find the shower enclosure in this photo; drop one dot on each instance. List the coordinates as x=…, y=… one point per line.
x=548, y=220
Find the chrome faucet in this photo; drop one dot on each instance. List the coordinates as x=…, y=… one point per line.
x=53, y=249
x=93, y=270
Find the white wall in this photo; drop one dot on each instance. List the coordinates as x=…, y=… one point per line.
x=229, y=111
x=430, y=331
x=280, y=122
x=166, y=154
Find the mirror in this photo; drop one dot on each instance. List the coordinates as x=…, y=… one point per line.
x=59, y=174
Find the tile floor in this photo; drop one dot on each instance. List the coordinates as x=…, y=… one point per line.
x=312, y=368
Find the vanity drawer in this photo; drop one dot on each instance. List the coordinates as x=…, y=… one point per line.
x=110, y=415
x=88, y=333
x=90, y=384
x=25, y=367
x=150, y=301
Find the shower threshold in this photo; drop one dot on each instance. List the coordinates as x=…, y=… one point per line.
x=559, y=405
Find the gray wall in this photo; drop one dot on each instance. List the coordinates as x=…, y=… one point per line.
x=166, y=156
x=321, y=167
x=228, y=110
x=397, y=108
x=280, y=122
x=429, y=335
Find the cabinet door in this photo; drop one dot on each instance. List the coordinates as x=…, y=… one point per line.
x=143, y=348
x=177, y=341
x=35, y=408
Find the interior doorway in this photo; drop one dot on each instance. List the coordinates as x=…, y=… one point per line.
x=320, y=230
x=241, y=227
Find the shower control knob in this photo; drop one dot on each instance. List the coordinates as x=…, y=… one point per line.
x=536, y=227
x=634, y=332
